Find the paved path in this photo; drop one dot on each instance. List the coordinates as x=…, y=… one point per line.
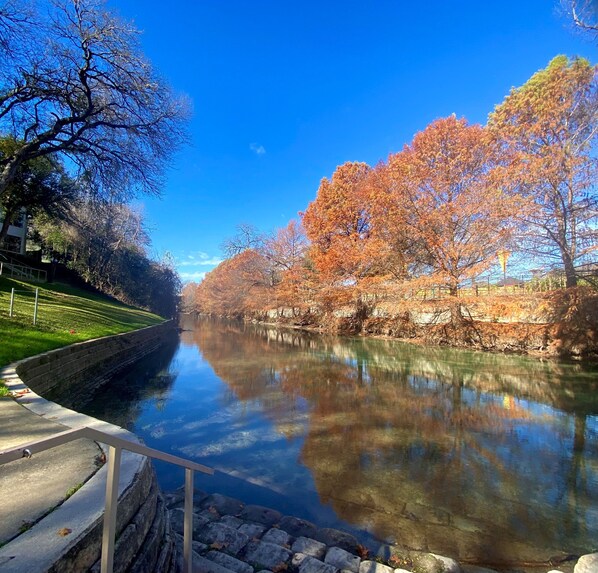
x=33, y=487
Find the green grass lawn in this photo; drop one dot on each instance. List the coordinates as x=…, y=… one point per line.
x=65, y=315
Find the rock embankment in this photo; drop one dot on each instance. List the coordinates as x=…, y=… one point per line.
x=231, y=537
x=561, y=323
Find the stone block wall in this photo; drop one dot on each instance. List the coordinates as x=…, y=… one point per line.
x=70, y=375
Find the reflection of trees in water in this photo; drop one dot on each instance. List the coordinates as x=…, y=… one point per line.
x=120, y=400
x=411, y=442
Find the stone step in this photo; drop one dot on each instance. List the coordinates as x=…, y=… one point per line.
x=229, y=562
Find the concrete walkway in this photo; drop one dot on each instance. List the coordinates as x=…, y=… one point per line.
x=31, y=488
x=42, y=524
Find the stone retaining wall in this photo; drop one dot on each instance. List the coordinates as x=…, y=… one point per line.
x=70, y=375
x=144, y=543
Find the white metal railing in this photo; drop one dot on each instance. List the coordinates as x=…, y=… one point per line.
x=17, y=271
x=115, y=447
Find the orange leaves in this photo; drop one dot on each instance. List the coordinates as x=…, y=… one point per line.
x=255, y=279
x=437, y=212
x=546, y=130
x=236, y=286
x=551, y=104
x=338, y=224
x=339, y=205
x=446, y=212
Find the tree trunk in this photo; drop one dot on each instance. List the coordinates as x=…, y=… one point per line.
x=6, y=176
x=456, y=314
x=570, y=276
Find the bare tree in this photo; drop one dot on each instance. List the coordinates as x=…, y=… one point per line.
x=15, y=19
x=82, y=89
x=583, y=13
x=247, y=237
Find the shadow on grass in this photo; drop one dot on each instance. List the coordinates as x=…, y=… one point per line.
x=65, y=315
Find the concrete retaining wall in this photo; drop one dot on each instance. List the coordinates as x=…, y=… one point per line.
x=144, y=543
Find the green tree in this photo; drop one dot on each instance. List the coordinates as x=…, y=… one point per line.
x=40, y=184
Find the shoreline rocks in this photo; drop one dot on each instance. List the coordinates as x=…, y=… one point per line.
x=232, y=537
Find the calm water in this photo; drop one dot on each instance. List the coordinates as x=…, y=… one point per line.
x=483, y=457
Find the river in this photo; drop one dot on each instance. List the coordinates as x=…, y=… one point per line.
x=487, y=458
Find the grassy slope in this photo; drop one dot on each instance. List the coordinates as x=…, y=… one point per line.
x=65, y=315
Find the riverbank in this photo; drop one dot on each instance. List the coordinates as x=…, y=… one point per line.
x=230, y=536
x=55, y=499
x=557, y=324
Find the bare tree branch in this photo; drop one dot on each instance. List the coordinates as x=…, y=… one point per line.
x=583, y=14
x=246, y=237
x=93, y=97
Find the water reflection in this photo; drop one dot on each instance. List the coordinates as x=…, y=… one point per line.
x=487, y=458
x=144, y=384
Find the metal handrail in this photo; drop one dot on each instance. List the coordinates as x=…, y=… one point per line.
x=23, y=271
x=116, y=445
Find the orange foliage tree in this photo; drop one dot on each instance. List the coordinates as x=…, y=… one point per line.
x=256, y=279
x=236, y=286
x=443, y=204
x=548, y=129
x=285, y=251
x=188, y=293
x=338, y=223
x=436, y=213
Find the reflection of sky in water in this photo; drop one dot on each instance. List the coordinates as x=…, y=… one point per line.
x=202, y=421
x=384, y=436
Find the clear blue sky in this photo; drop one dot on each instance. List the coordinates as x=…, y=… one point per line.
x=284, y=91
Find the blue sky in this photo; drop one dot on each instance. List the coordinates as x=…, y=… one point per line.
x=284, y=91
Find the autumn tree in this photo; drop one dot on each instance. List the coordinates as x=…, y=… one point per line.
x=285, y=250
x=397, y=253
x=286, y=246
x=338, y=225
x=236, y=286
x=74, y=82
x=445, y=204
x=188, y=292
x=547, y=129
x=269, y=265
